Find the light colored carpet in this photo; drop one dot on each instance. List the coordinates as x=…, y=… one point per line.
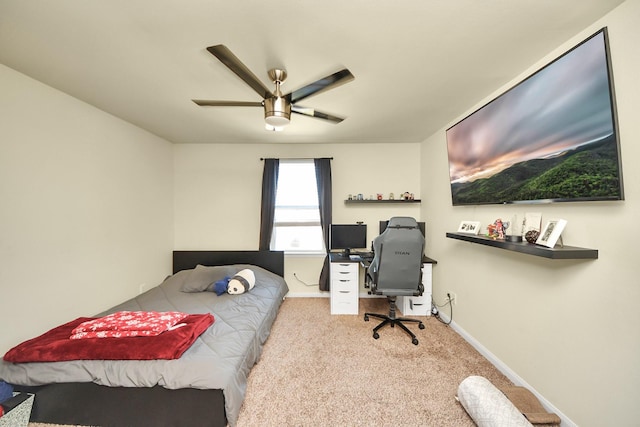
x=320, y=370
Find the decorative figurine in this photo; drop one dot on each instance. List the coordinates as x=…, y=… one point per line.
x=501, y=227
x=491, y=231
x=497, y=229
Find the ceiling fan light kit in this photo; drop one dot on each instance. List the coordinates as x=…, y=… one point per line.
x=275, y=118
x=277, y=107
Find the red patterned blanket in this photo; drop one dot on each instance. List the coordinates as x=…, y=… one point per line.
x=129, y=324
x=56, y=345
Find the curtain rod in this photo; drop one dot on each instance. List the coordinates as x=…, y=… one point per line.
x=295, y=158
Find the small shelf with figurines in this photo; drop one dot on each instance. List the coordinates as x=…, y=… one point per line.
x=354, y=202
x=405, y=197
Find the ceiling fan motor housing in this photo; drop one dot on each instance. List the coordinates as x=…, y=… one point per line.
x=277, y=108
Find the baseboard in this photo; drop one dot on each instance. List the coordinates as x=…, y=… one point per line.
x=307, y=295
x=508, y=372
x=320, y=294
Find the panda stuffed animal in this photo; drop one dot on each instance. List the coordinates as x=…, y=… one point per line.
x=243, y=281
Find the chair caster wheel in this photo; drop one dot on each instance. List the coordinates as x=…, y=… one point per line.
x=421, y=326
x=376, y=335
x=414, y=341
x=366, y=318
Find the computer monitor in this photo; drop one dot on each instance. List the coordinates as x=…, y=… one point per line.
x=346, y=237
x=421, y=226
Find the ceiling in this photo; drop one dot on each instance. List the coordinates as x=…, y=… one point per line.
x=418, y=64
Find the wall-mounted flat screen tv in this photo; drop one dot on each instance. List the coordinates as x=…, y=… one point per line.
x=551, y=138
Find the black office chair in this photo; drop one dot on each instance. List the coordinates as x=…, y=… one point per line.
x=396, y=270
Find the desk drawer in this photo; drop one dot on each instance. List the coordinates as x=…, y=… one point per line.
x=344, y=277
x=344, y=284
x=344, y=302
x=415, y=306
x=344, y=270
x=349, y=295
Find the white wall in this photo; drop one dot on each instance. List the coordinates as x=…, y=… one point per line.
x=570, y=329
x=86, y=208
x=218, y=192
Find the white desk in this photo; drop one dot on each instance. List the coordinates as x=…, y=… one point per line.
x=345, y=285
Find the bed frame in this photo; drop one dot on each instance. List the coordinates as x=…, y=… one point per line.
x=269, y=260
x=93, y=404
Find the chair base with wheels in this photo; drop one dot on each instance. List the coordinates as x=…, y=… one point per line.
x=392, y=320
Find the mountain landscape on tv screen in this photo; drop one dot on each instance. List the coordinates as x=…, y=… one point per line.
x=588, y=172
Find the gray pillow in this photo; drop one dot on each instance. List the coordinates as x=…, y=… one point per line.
x=203, y=278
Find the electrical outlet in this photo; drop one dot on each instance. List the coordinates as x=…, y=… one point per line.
x=452, y=297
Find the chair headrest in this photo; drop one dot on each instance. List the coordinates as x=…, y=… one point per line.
x=402, y=222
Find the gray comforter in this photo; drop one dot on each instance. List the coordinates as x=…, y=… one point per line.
x=221, y=357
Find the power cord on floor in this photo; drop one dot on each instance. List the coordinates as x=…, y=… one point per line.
x=303, y=282
x=435, y=310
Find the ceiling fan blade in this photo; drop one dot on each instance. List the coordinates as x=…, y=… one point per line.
x=315, y=113
x=324, y=84
x=207, y=103
x=234, y=64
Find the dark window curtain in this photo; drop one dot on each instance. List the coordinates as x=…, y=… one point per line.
x=268, y=208
x=323, y=178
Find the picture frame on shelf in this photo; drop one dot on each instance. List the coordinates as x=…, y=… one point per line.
x=469, y=227
x=551, y=232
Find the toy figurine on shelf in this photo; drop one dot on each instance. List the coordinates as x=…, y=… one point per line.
x=497, y=229
x=491, y=231
x=501, y=228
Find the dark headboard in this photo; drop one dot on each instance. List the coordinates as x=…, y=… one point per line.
x=269, y=260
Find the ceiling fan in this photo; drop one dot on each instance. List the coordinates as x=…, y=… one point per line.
x=277, y=107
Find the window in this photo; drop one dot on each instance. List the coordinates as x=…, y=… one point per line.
x=296, y=225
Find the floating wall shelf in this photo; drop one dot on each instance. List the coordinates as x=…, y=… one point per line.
x=355, y=202
x=564, y=252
